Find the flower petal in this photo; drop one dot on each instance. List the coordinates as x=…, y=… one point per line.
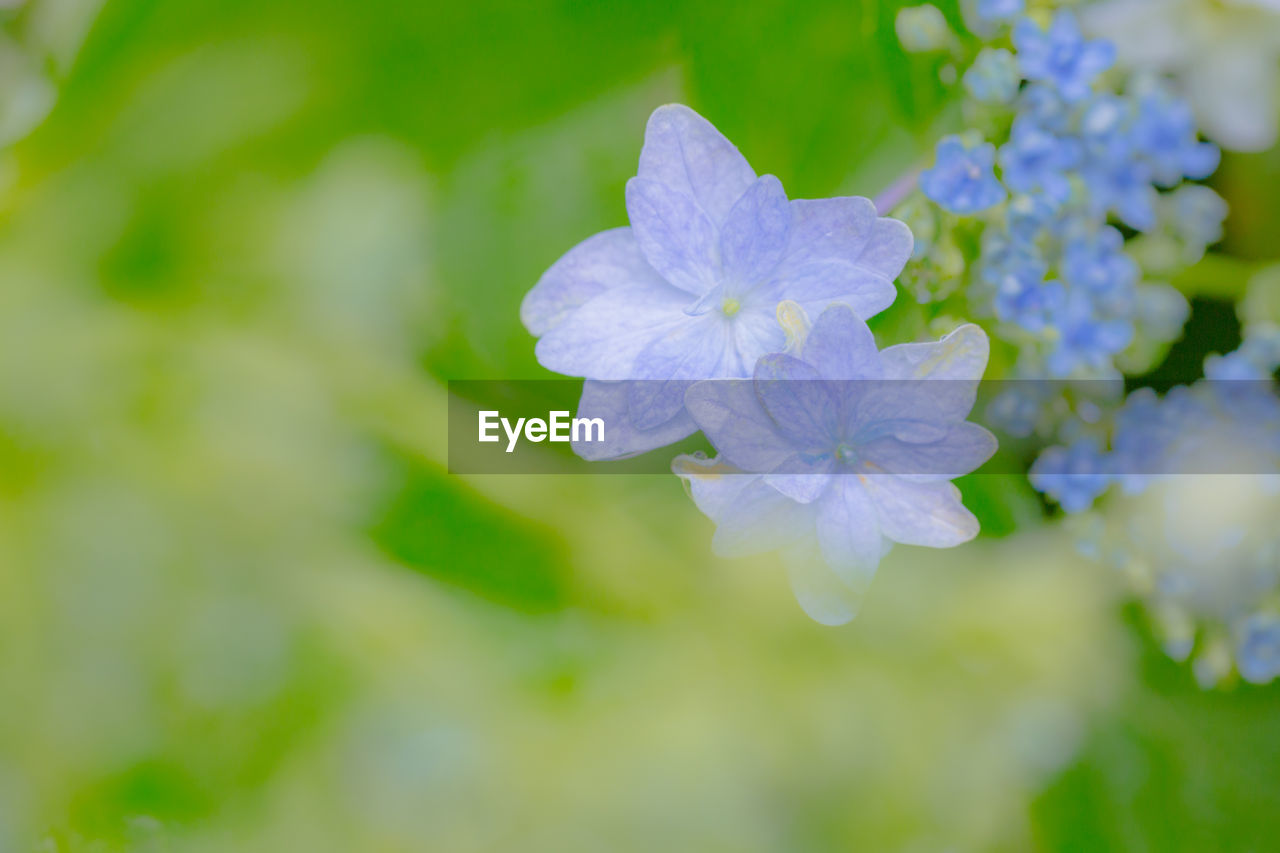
x=804, y=406
x=839, y=251
x=713, y=484
x=1097, y=56
x=821, y=593
x=756, y=333
x=801, y=488
x=962, y=354
x=653, y=402
x=929, y=514
x=608, y=259
x=760, y=519
x=841, y=346
x=675, y=235
x=603, y=338
x=956, y=363
x=849, y=530
x=730, y=415
x=889, y=248
x=907, y=411
x=965, y=448
x=609, y=402
x=685, y=153
x=754, y=235
x=691, y=351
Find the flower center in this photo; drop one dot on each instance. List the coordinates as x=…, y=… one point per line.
x=846, y=452
x=730, y=306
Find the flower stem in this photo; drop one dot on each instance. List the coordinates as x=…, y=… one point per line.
x=893, y=194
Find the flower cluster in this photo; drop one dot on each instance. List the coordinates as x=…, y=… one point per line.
x=1056, y=218
x=677, y=321
x=1221, y=53
x=1066, y=160
x=1192, y=488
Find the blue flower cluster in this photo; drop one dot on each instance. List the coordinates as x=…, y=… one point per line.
x=1194, y=483
x=1054, y=218
x=1052, y=269
x=695, y=317
x=1185, y=432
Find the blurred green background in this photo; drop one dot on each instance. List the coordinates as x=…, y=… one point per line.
x=244, y=607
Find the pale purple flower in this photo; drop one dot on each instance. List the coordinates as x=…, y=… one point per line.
x=835, y=451
x=690, y=290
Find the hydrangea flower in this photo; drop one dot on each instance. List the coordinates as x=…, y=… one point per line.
x=1030, y=301
x=1046, y=107
x=1073, y=476
x=835, y=450
x=1028, y=215
x=1066, y=286
x=1222, y=53
x=1094, y=260
x=1016, y=271
x=1035, y=159
x=1018, y=409
x=1207, y=427
x=1104, y=127
x=1194, y=523
x=1164, y=132
x=963, y=179
x=1121, y=185
x=1061, y=56
x=1085, y=338
x=689, y=290
x=1068, y=293
x=1145, y=426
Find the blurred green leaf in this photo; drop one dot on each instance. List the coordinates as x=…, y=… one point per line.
x=432, y=524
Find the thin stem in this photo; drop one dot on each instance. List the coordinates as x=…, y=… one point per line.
x=893, y=194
